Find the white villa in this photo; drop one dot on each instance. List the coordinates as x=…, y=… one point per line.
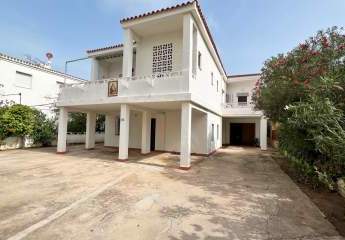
x=35, y=85
x=165, y=88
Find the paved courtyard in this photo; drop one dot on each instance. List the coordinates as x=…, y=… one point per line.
x=238, y=193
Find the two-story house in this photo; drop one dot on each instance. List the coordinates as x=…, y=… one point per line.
x=164, y=88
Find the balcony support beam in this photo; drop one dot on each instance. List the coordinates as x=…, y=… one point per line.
x=90, y=130
x=145, y=132
x=94, y=69
x=187, y=49
x=263, y=133
x=124, y=132
x=127, y=53
x=186, y=132
x=62, y=130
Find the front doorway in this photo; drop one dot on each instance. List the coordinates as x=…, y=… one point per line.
x=153, y=134
x=242, y=134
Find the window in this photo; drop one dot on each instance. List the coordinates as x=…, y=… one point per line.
x=212, y=78
x=117, y=133
x=242, y=100
x=23, y=80
x=217, y=86
x=162, y=58
x=199, y=60
x=217, y=131
x=212, y=132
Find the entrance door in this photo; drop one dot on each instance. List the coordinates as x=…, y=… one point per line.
x=153, y=134
x=235, y=134
x=242, y=134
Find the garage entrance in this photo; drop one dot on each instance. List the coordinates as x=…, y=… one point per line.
x=242, y=134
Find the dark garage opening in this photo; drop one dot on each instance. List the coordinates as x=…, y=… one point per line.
x=242, y=134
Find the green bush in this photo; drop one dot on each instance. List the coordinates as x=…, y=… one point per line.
x=44, y=130
x=77, y=122
x=303, y=90
x=16, y=120
x=20, y=121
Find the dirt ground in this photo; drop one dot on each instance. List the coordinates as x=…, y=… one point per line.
x=238, y=193
x=330, y=203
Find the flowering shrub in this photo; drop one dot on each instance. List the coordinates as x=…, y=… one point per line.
x=303, y=90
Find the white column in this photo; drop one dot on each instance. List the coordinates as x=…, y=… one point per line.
x=90, y=130
x=186, y=126
x=94, y=69
x=145, y=133
x=187, y=49
x=127, y=53
x=263, y=133
x=124, y=132
x=109, y=132
x=62, y=130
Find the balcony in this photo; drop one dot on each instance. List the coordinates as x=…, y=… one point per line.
x=95, y=92
x=240, y=109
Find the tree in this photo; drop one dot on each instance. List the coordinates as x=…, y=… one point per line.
x=303, y=90
x=290, y=78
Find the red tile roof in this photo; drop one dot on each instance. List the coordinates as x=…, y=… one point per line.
x=105, y=48
x=158, y=11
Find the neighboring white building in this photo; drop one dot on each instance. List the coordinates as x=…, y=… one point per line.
x=31, y=84
x=163, y=89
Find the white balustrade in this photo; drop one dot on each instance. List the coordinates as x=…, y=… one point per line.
x=157, y=83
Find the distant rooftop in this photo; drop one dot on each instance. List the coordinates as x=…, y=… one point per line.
x=37, y=66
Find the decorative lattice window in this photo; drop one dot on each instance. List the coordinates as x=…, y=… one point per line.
x=162, y=58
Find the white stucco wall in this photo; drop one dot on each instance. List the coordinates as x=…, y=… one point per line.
x=135, y=124
x=168, y=131
x=144, y=49
x=160, y=130
x=216, y=121
x=110, y=68
x=44, y=85
x=245, y=86
x=202, y=86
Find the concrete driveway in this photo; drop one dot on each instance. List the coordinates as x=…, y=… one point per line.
x=236, y=194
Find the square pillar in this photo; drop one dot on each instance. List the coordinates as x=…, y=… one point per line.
x=145, y=132
x=109, y=132
x=187, y=49
x=186, y=131
x=62, y=130
x=127, y=53
x=263, y=133
x=94, y=69
x=90, y=130
x=124, y=132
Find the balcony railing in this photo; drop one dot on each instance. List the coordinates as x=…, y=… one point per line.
x=157, y=83
x=237, y=105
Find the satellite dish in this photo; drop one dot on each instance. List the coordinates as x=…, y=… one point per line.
x=49, y=55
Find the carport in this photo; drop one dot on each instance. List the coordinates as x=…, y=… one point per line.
x=245, y=131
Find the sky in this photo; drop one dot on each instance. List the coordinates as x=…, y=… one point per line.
x=246, y=32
